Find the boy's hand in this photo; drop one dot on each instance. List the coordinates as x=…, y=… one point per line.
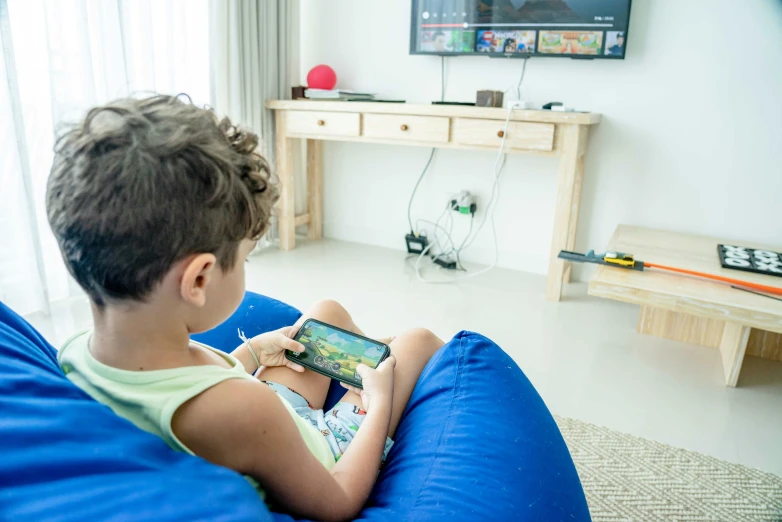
x=378, y=384
x=270, y=347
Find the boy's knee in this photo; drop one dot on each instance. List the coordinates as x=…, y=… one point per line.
x=331, y=312
x=328, y=306
x=424, y=339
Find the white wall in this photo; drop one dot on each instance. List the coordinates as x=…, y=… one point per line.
x=691, y=137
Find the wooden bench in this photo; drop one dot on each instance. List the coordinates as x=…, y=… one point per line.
x=690, y=309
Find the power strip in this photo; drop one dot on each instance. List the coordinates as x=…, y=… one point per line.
x=447, y=264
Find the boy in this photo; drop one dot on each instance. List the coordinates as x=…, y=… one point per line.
x=155, y=206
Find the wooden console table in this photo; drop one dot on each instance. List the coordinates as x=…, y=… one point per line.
x=694, y=310
x=455, y=127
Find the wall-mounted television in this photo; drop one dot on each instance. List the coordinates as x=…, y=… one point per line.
x=521, y=28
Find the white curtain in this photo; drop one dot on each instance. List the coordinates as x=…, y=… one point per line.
x=254, y=59
x=60, y=57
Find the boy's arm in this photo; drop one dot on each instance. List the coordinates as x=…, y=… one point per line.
x=243, y=354
x=365, y=451
x=358, y=467
x=268, y=349
x=242, y=425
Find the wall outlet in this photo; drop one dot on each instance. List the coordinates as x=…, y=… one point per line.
x=518, y=104
x=464, y=203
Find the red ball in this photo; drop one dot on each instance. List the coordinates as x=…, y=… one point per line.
x=322, y=77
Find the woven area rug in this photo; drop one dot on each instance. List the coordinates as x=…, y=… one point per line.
x=630, y=478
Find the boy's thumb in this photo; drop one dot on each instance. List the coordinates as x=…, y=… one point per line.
x=390, y=361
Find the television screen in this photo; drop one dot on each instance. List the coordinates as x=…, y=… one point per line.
x=521, y=28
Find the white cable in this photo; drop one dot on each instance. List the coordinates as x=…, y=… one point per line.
x=521, y=80
x=490, y=208
x=448, y=214
x=518, y=86
x=447, y=229
x=441, y=251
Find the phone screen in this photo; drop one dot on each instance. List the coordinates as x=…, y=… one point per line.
x=336, y=352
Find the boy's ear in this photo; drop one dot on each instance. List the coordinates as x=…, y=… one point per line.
x=197, y=274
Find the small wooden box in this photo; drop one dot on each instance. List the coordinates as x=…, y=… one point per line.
x=489, y=99
x=297, y=93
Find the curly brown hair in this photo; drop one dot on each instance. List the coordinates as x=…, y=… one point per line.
x=143, y=183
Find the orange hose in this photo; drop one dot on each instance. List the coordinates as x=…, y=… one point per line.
x=762, y=288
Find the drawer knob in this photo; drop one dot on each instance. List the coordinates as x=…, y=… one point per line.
x=321, y=123
x=404, y=127
x=501, y=134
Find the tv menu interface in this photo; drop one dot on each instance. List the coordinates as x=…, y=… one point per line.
x=582, y=28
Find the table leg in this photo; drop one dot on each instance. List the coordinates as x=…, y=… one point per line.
x=766, y=345
x=571, y=171
x=732, y=349
x=578, y=181
x=680, y=326
x=286, y=205
x=315, y=188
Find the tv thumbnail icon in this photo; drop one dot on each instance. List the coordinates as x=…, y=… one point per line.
x=615, y=43
x=437, y=41
x=506, y=42
x=570, y=42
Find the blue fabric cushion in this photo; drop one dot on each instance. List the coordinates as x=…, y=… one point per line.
x=64, y=456
x=476, y=442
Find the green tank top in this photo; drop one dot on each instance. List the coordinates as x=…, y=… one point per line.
x=149, y=398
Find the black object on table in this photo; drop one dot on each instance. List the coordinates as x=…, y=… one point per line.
x=469, y=104
x=750, y=260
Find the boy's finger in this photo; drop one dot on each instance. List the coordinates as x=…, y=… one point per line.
x=282, y=342
x=363, y=370
x=293, y=346
x=289, y=331
x=390, y=361
x=293, y=366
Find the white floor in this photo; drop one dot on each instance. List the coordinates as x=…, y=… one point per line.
x=582, y=354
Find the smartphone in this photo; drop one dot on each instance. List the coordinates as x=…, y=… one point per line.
x=335, y=352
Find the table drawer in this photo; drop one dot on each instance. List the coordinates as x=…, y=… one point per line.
x=525, y=136
x=412, y=128
x=323, y=123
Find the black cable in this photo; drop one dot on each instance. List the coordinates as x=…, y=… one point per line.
x=431, y=154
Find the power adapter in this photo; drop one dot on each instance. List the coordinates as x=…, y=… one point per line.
x=416, y=244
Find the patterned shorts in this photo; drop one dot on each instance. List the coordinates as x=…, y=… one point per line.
x=338, y=425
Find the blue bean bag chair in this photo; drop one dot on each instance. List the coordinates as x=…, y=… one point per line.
x=476, y=443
